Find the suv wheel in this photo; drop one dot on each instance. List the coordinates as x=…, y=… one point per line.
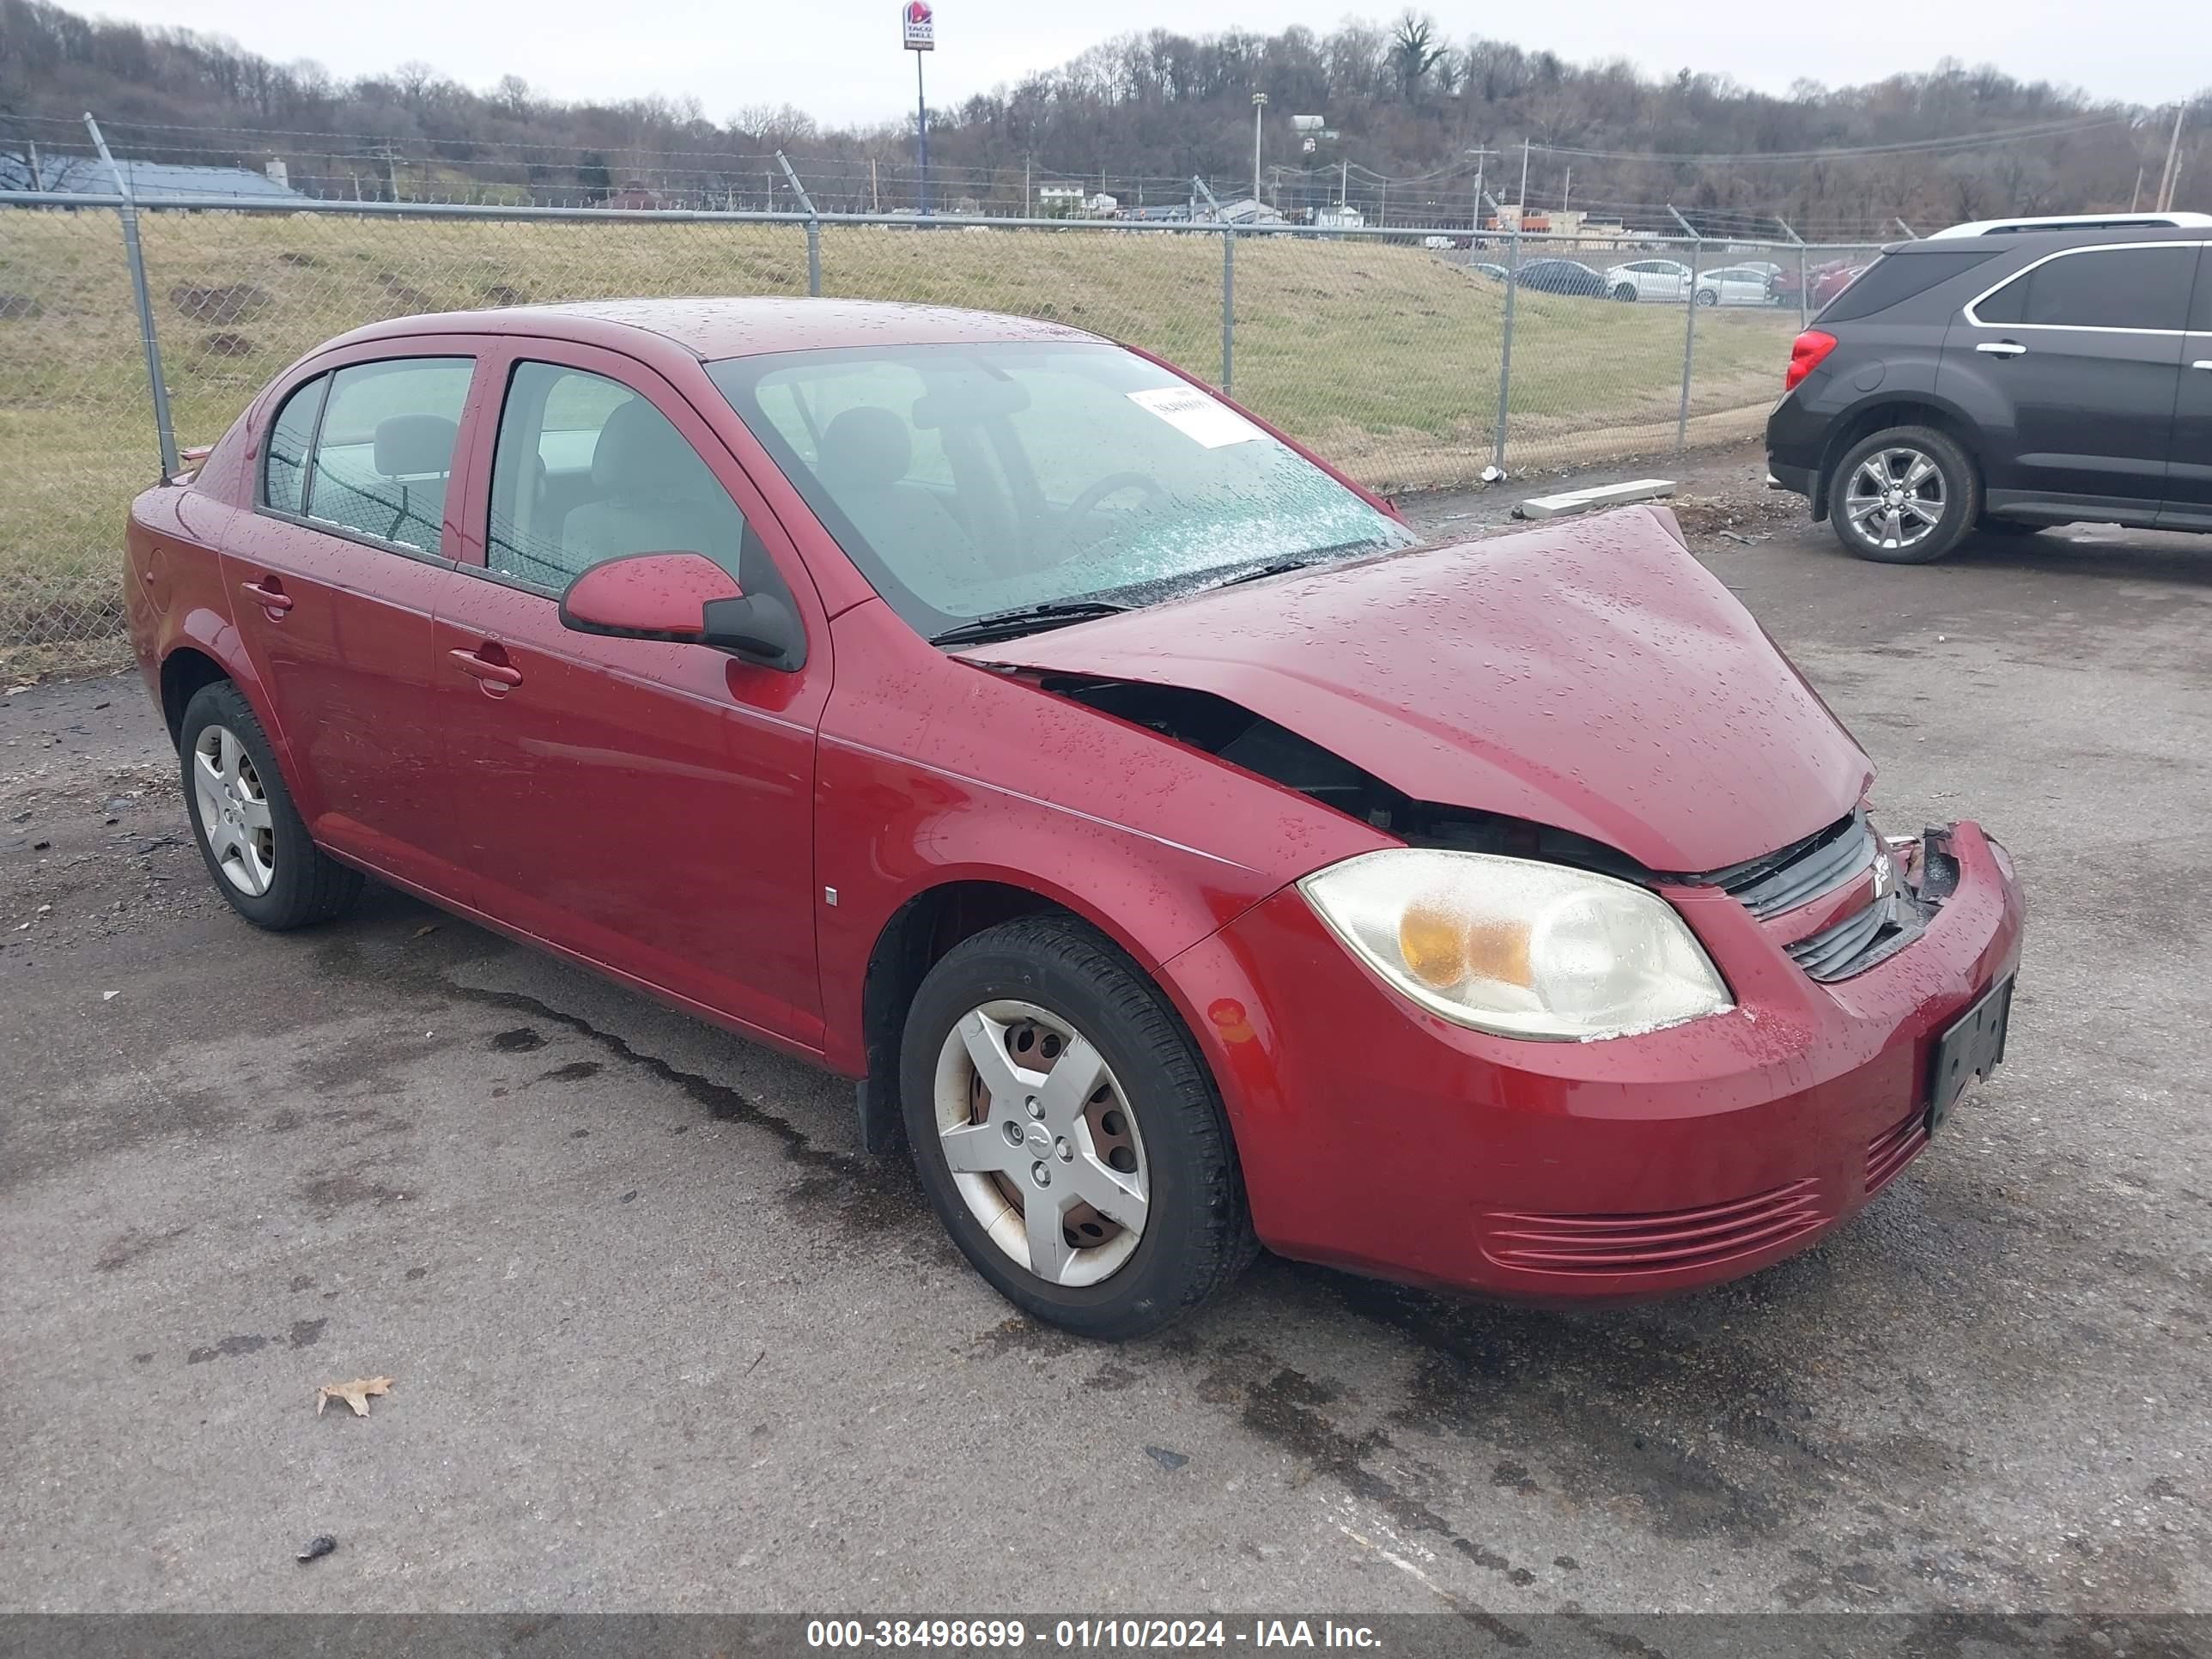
x=1904, y=497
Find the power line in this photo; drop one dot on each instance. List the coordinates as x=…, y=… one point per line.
x=1915, y=147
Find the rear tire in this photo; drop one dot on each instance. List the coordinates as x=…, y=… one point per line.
x=1904, y=497
x=1141, y=1129
x=258, y=850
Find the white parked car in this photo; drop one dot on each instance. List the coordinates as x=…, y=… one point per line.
x=1648, y=279
x=1736, y=285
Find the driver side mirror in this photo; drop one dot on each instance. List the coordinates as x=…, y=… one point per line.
x=687, y=598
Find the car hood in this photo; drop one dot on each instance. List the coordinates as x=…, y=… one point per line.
x=1592, y=676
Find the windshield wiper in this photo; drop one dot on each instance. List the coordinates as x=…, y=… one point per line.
x=1026, y=619
x=1284, y=566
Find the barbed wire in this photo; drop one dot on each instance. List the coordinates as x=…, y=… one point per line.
x=491, y=173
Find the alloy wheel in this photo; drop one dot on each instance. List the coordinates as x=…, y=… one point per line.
x=1041, y=1142
x=234, y=809
x=1895, y=498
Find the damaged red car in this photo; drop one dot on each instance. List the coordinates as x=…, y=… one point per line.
x=1181, y=855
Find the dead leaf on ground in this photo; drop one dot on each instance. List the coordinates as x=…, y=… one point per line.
x=354, y=1393
x=426, y=928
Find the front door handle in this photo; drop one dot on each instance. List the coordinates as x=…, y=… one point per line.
x=2001, y=347
x=2202, y=362
x=495, y=671
x=269, y=593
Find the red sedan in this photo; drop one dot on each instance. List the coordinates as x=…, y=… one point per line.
x=1179, y=854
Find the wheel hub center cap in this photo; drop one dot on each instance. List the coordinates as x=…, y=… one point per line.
x=1039, y=1140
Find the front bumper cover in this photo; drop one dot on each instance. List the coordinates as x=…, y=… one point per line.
x=1377, y=1136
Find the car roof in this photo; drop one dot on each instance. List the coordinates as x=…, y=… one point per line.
x=2076, y=221
x=2048, y=241
x=712, y=326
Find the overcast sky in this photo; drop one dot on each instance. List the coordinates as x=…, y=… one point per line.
x=841, y=59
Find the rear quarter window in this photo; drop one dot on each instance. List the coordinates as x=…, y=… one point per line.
x=1896, y=278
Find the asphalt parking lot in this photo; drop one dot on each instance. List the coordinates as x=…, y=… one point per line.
x=662, y=1338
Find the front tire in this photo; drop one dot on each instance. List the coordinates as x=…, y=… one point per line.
x=1904, y=497
x=1708, y=296
x=258, y=850
x=1067, y=1131
x=1626, y=293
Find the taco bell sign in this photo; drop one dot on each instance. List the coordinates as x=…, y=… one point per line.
x=920, y=26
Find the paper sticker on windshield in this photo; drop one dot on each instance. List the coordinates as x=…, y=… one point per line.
x=1197, y=416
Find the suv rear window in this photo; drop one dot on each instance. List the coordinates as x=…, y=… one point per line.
x=2099, y=288
x=1896, y=278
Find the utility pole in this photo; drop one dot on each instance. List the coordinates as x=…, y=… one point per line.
x=1027, y=161
x=1259, y=113
x=2166, y=179
x=875, y=188
x=1523, y=204
x=1565, y=191
x=1475, y=224
x=1343, y=183
x=2134, y=200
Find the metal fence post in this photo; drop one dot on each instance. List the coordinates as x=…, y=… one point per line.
x=1228, y=309
x=1804, y=300
x=1228, y=284
x=813, y=228
x=1689, y=331
x=165, y=431
x=1505, y=345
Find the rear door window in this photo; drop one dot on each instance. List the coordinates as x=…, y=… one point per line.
x=2133, y=287
x=384, y=454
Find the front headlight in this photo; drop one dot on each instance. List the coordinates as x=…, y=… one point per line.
x=1516, y=947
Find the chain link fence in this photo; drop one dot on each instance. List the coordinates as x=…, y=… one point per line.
x=1414, y=360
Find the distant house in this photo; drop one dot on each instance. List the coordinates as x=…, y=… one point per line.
x=1100, y=205
x=1059, y=201
x=635, y=197
x=154, y=181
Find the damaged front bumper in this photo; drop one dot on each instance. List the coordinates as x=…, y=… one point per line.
x=1377, y=1136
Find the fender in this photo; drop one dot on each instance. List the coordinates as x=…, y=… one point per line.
x=1914, y=387
x=217, y=638
x=927, y=774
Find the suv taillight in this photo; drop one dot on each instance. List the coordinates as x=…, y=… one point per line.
x=1806, y=352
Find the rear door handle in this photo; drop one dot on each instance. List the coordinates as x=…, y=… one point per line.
x=2001, y=347
x=269, y=593
x=493, y=671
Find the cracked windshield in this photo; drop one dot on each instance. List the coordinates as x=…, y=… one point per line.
x=972, y=480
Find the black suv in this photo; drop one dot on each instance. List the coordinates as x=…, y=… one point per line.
x=2005, y=383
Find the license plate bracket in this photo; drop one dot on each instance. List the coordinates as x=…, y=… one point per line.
x=1972, y=1046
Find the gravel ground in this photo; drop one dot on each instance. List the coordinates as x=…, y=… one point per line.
x=662, y=1338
